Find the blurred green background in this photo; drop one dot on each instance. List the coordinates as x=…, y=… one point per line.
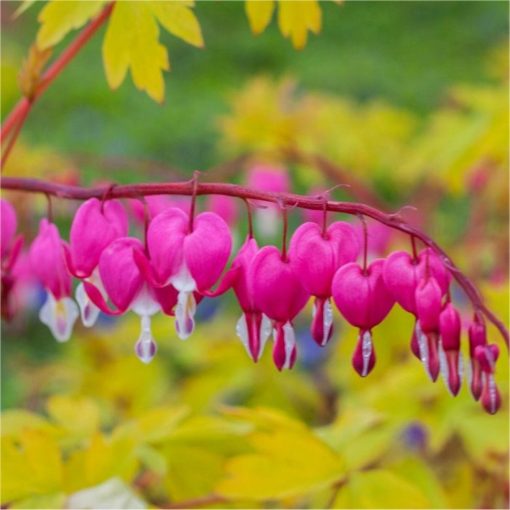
x=410, y=99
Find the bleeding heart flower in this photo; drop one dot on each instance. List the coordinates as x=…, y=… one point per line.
x=428, y=298
x=10, y=248
x=9, y=225
x=127, y=289
x=450, y=358
x=189, y=259
x=253, y=328
x=477, y=334
x=273, y=179
x=278, y=293
x=95, y=225
x=223, y=206
x=487, y=356
x=59, y=312
x=363, y=299
x=315, y=256
x=402, y=273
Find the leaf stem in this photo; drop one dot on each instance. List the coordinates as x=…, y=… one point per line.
x=19, y=113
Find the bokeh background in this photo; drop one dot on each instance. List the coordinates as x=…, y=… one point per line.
x=405, y=102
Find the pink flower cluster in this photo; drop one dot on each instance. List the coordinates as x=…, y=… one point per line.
x=184, y=256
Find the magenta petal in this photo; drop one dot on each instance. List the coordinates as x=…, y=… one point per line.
x=322, y=321
x=449, y=327
x=277, y=291
x=167, y=298
x=119, y=273
x=8, y=226
x=243, y=285
x=284, y=350
x=95, y=226
x=315, y=257
x=165, y=241
x=363, y=299
x=97, y=298
x=363, y=359
x=428, y=304
x=402, y=275
x=47, y=261
x=207, y=249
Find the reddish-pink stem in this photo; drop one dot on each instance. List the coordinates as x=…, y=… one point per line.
x=283, y=199
x=20, y=111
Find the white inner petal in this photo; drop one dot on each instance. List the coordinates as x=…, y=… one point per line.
x=183, y=281
x=59, y=316
x=242, y=333
x=89, y=312
x=493, y=396
x=289, y=339
x=423, y=348
x=144, y=304
x=443, y=366
x=265, y=331
x=145, y=347
x=366, y=352
x=184, y=314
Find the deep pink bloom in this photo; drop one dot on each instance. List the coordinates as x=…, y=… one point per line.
x=428, y=298
x=9, y=226
x=487, y=356
x=364, y=301
x=10, y=247
x=127, y=289
x=268, y=178
x=253, y=328
x=95, y=226
x=477, y=334
x=223, y=206
x=190, y=261
x=59, y=312
x=450, y=358
x=315, y=257
x=402, y=275
x=156, y=204
x=272, y=179
x=278, y=293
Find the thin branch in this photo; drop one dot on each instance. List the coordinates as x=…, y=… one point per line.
x=20, y=112
x=188, y=188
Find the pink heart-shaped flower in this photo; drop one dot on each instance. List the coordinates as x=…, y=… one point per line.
x=95, y=226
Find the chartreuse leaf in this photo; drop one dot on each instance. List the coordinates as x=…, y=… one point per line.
x=379, y=489
x=14, y=421
x=132, y=42
x=31, y=465
x=58, y=18
x=54, y=500
x=179, y=20
x=103, y=458
x=285, y=463
x=78, y=415
x=259, y=13
x=295, y=19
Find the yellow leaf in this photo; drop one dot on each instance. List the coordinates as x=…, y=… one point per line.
x=179, y=20
x=379, y=489
x=259, y=13
x=58, y=18
x=295, y=18
x=14, y=421
x=31, y=465
x=131, y=42
x=285, y=463
x=79, y=415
